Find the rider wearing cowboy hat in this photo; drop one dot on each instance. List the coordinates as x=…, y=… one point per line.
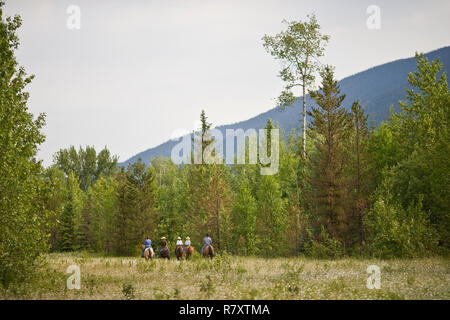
x=179, y=242
x=163, y=244
x=187, y=243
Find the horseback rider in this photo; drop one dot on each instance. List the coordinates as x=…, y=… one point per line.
x=163, y=244
x=147, y=244
x=206, y=241
x=179, y=242
x=187, y=243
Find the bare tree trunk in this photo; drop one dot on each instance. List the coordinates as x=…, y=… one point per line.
x=358, y=189
x=304, y=121
x=218, y=226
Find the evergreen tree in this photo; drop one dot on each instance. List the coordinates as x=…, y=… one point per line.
x=99, y=214
x=359, y=170
x=69, y=234
x=272, y=220
x=120, y=235
x=56, y=183
x=328, y=196
x=209, y=197
x=136, y=214
x=245, y=214
x=172, y=205
x=291, y=181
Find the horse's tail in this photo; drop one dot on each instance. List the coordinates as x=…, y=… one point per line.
x=164, y=252
x=189, y=250
x=179, y=251
x=210, y=251
x=149, y=253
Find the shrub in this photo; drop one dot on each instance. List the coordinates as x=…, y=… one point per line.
x=128, y=291
x=394, y=231
x=327, y=247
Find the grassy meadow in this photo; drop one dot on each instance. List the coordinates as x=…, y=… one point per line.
x=232, y=277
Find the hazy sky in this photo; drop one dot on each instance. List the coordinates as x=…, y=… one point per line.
x=136, y=71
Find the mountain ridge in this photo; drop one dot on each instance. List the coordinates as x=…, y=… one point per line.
x=377, y=88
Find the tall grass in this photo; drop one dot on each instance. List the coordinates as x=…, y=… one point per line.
x=233, y=277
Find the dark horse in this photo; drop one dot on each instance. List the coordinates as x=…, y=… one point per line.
x=164, y=253
x=208, y=251
x=179, y=252
x=188, y=252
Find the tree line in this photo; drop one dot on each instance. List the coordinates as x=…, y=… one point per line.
x=361, y=190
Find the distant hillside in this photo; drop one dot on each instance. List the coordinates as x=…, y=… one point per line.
x=377, y=89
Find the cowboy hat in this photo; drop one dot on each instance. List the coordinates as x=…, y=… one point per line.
x=187, y=238
x=163, y=238
x=179, y=238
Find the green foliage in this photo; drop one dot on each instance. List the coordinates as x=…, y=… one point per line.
x=328, y=196
x=360, y=174
x=69, y=234
x=207, y=286
x=272, y=222
x=98, y=214
x=128, y=291
x=395, y=231
x=423, y=132
x=172, y=195
x=298, y=47
x=245, y=214
x=55, y=181
x=86, y=164
x=413, y=149
x=318, y=205
x=383, y=149
x=23, y=218
x=208, y=196
x=325, y=247
x=135, y=216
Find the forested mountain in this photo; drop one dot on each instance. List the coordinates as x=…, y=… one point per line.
x=377, y=89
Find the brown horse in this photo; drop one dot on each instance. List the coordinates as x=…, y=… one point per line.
x=179, y=252
x=149, y=253
x=188, y=252
x=208, y=251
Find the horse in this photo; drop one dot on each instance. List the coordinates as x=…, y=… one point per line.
x=208, y=251
x=149, y=253
x=188, y=252
x=179, y=252
x=164, y=253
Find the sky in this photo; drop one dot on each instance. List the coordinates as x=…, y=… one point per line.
x=137, y=71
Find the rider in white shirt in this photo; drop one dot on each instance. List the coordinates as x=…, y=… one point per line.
x=187, y=243
x=179, y=241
